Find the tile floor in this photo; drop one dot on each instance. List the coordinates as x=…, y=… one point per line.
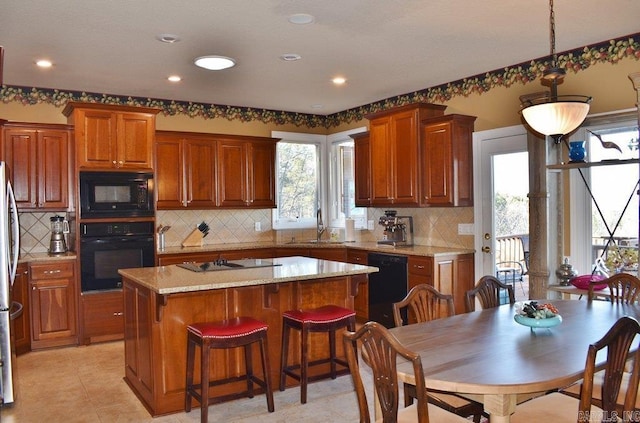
x=84, y=384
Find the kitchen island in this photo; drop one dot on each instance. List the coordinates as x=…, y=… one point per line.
x=159, y=303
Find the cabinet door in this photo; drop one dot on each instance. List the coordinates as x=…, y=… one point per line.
x=404, y=139
x=135, y=140
x=262, y=174
x=52, y=312
x=53, y=169
x=169, y=167
x=21, y=326
x=96, y=139
x=420, y=270
x=200, y=171
x=362, y=153
x=232, y=173
x=20, y=154
x=382, y=181
x=103, y=316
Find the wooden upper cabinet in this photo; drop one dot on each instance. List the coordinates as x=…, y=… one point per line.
x=38, y=158
x=112, y=137
x=246, y=172
x=362, y=154
x=394, y=161
x=185, y=171
x=447, y=161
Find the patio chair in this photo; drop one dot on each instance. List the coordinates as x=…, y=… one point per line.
x=510, y=272
x=558, y=407
x=425, y=303
x=380, y=350
x=490, y=292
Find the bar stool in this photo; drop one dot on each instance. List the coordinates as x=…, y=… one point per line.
x=323, y=319
x=237, y=332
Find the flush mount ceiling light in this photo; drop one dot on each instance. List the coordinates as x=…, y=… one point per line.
x=339, y=80
x=44, y=63
x=168, y=38
x=550, y=114
x=290, y=57
x=214, y=62
x=301, y=19
x=174, y=78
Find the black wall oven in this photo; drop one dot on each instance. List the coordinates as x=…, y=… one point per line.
x=106, y=247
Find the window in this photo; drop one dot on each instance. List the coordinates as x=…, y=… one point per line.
x=342, y=181
x=298, y=183
x=613, y=188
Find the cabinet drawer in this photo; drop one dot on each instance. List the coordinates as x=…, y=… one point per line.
x=357, y=257
x=51, y=270
x=421, y=266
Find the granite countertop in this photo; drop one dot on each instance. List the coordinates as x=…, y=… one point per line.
x=174, y=279
x=415, y=250
x=36, y=257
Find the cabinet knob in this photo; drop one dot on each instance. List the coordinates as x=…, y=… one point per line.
x=51, y=272
x=114, y=162
x=120, y=162
x=118, y=313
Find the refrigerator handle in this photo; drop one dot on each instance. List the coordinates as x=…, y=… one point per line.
x=15, y=234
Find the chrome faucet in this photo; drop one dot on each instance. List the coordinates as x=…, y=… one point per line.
x=320, y=228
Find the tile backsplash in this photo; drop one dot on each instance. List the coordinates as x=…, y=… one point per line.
x=436, y=227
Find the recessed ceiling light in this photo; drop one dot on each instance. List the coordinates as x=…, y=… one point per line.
x=43, y=63
x=290, y=57
x=174, y=78
x=301, y=19
x=338, y=80
x=168, y=38
x=214, y=62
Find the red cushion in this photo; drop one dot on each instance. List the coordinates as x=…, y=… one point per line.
x=583, y=281
x=232, y=328
x=324, y=314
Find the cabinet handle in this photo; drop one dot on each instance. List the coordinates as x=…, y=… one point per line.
x=51, y=272
x=114, y=162
x=118, y=313
x=120, y=162
x=419, y=266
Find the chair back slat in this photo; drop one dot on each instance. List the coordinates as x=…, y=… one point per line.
x=423, y=303
x=488, y=290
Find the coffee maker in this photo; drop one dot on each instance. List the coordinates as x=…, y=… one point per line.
x=398, y=230
x=59, y=227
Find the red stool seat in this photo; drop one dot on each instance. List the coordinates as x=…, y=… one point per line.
x=232, y=328
x=325, y=314
x=236, y=332
x=328, y=319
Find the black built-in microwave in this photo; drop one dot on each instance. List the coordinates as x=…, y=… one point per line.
x=116, y=194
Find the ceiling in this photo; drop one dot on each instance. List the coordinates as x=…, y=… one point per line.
x=383, y=48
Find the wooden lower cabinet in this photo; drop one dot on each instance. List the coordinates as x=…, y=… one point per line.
x=21, y=326
x=53, y=304
x=156, y=325
x=334, y=254
x=454, y=275
x=361, y=299
x=103, y=316
x=420, y=271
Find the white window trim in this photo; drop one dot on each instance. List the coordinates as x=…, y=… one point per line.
x=300, y=137
x=333, y=139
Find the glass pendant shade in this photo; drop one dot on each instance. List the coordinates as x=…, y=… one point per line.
x=556, y=118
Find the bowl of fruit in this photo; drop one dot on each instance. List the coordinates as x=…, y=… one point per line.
x=534, y=315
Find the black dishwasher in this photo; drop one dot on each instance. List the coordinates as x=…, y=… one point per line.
x=387, y=286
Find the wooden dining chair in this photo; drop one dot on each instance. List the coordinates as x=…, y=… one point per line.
x=380, y=350
x=557, y=407
x=489, y=292
x=624, y=288
x=422, y=304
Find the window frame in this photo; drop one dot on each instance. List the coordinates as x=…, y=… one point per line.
x=301, y=138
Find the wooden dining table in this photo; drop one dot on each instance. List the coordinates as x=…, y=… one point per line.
x=486, y=356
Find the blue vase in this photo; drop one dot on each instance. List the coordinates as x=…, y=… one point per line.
x=577, y=152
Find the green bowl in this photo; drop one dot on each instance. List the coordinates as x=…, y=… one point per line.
x=549, y=322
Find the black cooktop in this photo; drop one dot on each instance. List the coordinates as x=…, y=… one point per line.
x=210, y=266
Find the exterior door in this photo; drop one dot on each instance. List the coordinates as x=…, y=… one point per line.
x=488, y=147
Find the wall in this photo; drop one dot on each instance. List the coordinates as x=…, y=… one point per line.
x=607, y=82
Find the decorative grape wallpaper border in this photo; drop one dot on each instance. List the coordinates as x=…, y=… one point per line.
x=572, y=61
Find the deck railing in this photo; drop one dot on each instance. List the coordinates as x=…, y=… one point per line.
x=512, y=248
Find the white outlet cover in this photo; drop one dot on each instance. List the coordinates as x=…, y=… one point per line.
x=465, y=228
x=257, y=226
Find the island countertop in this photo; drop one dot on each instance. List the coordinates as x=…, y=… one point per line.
x=174, y=279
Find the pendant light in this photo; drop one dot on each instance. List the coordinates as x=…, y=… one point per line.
x=550, y=114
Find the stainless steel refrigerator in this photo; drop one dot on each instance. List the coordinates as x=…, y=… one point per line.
x=9, y=250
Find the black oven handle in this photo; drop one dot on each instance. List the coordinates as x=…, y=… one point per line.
x=111, y=240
